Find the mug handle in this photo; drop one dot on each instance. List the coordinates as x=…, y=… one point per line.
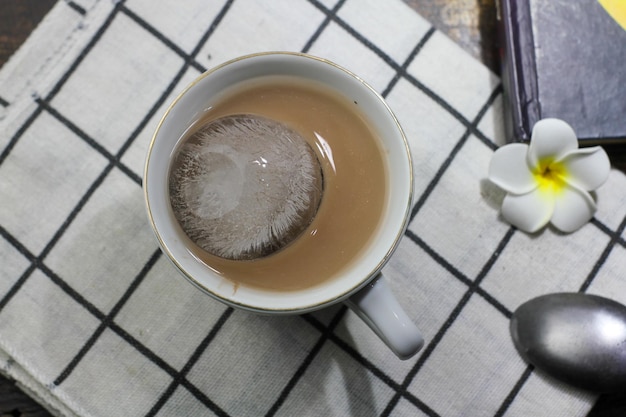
x=376, y=305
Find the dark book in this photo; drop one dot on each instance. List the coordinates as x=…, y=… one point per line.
x=565, y=59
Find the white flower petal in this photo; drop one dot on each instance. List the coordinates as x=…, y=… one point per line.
x=508, y=169
x=587, y=168
x=573, y=208
x=528, y=212
x=551, y=138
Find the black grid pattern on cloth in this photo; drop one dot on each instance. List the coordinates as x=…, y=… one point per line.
x=472, y=284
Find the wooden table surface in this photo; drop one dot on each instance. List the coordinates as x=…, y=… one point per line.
x=471, y=23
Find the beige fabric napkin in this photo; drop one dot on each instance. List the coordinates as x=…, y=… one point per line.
x=94, y=321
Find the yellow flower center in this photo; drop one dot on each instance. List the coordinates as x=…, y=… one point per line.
x=550, y=176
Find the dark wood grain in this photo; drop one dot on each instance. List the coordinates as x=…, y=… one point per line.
x=14, y=403
x=17, y=20
x=470, y=23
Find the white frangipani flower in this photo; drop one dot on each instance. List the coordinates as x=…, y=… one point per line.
x=549, y=179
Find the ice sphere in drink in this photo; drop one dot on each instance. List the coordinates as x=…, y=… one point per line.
x=244, y=186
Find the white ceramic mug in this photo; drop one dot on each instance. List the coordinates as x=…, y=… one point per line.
x=361, y=286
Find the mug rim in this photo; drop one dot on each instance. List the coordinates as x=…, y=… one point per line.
x=267, y=309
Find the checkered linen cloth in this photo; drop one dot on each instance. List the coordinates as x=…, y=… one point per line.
x=94, y=321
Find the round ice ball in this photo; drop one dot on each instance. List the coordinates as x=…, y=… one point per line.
x=245, y=186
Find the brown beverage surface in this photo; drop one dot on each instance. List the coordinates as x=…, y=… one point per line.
x=354, y=183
